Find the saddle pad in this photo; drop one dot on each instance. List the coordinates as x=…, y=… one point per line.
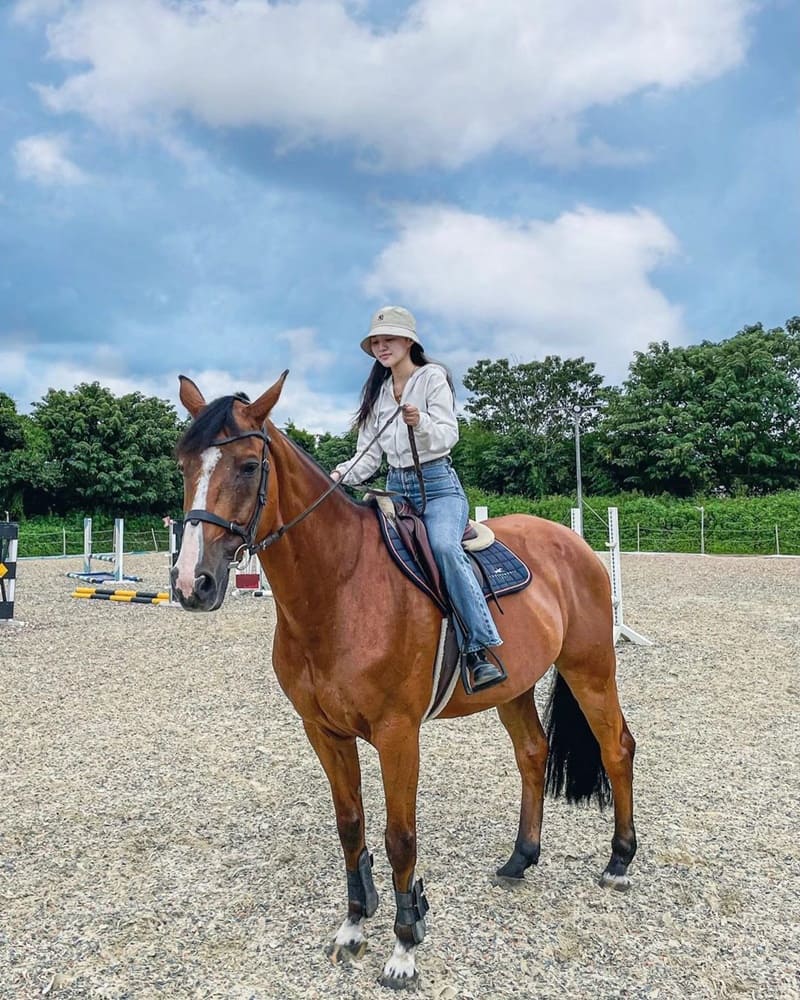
x=497, y=569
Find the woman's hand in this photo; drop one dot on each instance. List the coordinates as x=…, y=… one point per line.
x=336, y=475
x=410, y=415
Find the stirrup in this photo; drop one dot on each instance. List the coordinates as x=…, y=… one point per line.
x=497, y=676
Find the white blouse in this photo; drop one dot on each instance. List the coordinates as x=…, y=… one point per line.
x=435, y=434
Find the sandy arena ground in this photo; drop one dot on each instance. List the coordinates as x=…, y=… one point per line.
x=166, y=831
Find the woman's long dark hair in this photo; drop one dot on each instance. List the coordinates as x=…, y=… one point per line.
x=379, y=374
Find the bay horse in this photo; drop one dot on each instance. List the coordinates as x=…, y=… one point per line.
x=355, y=642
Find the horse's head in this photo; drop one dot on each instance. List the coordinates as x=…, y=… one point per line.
x=224, y=456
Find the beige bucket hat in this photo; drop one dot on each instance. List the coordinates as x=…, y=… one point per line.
x=391, y=321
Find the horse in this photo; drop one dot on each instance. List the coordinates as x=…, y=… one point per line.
x=355, y=641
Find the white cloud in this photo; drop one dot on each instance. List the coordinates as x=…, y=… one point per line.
x=452, y=82
x=43, y=158
x=579, y=285
x=306, y=354
x=28, y=376
x=312, y=411
x=30, y=10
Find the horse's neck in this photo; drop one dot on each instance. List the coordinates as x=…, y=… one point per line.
x=322, y=548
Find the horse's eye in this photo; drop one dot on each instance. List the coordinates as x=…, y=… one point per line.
x=250, y=468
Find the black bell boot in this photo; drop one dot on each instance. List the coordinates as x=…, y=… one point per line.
x=482, y=672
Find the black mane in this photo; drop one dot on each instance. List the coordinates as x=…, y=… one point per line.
x=209, y=425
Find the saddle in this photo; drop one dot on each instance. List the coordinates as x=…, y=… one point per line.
x=497, y=569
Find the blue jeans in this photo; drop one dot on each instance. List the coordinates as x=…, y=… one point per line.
x=445, y=517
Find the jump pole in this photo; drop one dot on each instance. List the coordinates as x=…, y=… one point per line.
x=175, y=540
x=115, y=557
x=9, y=534
x=621, y=630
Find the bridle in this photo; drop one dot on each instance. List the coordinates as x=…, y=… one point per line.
x=248, y=532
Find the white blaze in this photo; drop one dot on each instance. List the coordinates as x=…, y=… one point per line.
x=192, y=545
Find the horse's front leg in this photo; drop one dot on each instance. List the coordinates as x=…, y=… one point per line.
x=339, y=758
x=398, y=750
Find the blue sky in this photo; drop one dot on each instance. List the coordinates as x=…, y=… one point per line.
x=228, y=188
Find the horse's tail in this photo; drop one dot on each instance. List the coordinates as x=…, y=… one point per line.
x=574, y=767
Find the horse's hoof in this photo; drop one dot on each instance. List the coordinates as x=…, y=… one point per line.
x=399, y=982
x=619, y=882
x=340, y=953
x=507, y=881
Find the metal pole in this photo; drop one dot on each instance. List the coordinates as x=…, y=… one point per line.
x=702, y=531
x=578, y=462
x=777, y=542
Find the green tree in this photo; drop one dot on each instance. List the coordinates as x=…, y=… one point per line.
x=537, y=397
x=333, y=449
x=29, y=479
x=305, y=439
x=115, y=455
x=521, y=435
x=12, y=433
x=713, y=416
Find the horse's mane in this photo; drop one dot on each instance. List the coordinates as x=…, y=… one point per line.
x=207, y=427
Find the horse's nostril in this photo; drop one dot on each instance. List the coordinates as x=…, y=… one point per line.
x=203, y=584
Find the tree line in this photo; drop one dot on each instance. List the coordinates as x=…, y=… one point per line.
x=708, y=419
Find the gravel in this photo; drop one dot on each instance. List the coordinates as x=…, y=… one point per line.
x=167, y=832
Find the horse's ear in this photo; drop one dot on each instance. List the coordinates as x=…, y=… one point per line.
x=190, y=395
x=261, y=408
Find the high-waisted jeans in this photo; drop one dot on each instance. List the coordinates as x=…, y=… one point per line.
x=445, y=517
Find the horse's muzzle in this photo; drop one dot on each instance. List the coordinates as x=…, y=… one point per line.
x=207, y=592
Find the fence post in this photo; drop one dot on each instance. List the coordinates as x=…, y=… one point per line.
x=702, y=530
x=777, y=542
x=481, y=513
x=638, y=540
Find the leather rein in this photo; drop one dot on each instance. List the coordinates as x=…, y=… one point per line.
x=248, y=532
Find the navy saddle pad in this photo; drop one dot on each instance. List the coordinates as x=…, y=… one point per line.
x=498, y=570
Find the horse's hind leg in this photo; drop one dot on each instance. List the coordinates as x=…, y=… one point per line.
x=530, y=748
x=339, y=758
x=592, y=684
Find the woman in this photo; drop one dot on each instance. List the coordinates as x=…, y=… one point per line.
x=402, y=374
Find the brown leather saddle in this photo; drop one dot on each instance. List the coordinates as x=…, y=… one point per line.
x=498, y=571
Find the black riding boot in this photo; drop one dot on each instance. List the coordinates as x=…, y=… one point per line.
x=482, y=672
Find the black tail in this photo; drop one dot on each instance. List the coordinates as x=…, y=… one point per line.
x=574, y=767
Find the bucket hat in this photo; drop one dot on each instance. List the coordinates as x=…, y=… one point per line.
x=391, y=321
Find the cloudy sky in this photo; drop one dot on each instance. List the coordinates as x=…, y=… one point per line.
x=228, y=188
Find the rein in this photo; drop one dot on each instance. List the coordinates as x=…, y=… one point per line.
x=248, y=532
